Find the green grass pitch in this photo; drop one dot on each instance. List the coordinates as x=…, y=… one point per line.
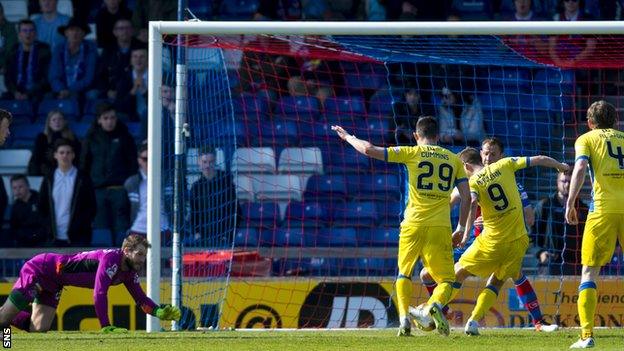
x=494, y=339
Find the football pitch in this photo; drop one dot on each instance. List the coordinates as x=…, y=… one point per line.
x=385, y=339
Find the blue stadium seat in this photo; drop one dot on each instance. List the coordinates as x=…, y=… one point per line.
x=292, y=267
x=80, y=129
x=344, y=160
x=135, y=129
x=510, y=79
x=317, y=133
x=90, y=109
x=238, y=9
x=282, y=133
x=250, y=104
x=471, y=10
x=261, y=214
x=377, y=131
x=344, y=266
x=355, y=214
x=326, y=187
x=102, y=238
x=202, y=9
x=22, y=110
x=344, y=105
x=378, y=237
x=381, y=103
x=377, y=266
x=336, y=237
x=69, y=107
x=246, y=238
x=492, y=101
x=306, y=214
x=24, y=135
x=376, y=187
x=390, y=213
x=304, y=107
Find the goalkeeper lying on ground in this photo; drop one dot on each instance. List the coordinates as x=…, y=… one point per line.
x=43, y=277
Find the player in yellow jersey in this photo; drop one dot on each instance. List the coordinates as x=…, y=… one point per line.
x=602, y=150
x=433, y=173
x=498, y=252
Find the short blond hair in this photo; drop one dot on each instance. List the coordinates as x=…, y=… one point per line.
x=132, y=241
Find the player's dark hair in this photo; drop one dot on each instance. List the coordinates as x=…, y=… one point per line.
x=206, y=149
x=25, y=22
x=16, y=177
x=602, y=114
x=132, y=241
x=427, y=127
x=494, y=141
x=569, y=171
x=5, y=114
x=142, y=147
x=471, y=156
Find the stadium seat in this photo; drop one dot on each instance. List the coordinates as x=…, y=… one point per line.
x=15, y=10
x=254, y=160
x=344, y=160
x=376, y=266
x=327, y=187
x=246, y=238
x=492, y=101
x=355, y=214
x=377, y=131
x=69, y=107
x=317, y=133
x=279, y=133
x=250, y=104
x=300, y=160
x=304, y=107
x=134, y=128
x=378, y=237
x=65, y=7
x=344, y=105
x=244, y=188
x=390, y=213
x=22, y=110
x=282, y=237
x=376, y=187
x=306, y=214
x=35, y=182
x=344, y=266
x=80, y=129
x=314, y=266
x=90, y=109
x=335, y=237
x=277, y=187
x=202, y=9
x=261, y=214
x=381, y=103
x=102, y=238
x=14, y=161
x=24, y=135
x=238, y=9
x=471, y=10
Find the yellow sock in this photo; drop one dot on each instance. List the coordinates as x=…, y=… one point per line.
x=441, y=294
x=404, y=294
x=587, y=308
x=485, y=300
x=456, y=286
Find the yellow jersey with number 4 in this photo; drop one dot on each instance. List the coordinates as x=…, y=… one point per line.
x=604, y=149
x=433, y=172
x=501, y=207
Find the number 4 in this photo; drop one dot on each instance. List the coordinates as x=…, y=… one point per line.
x=619, y=156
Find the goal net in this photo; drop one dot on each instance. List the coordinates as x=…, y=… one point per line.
x=283, y=225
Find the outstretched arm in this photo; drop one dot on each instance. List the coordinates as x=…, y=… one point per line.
x=164, y=312
x=362, y=146
x=545, y=161
x=576, y=182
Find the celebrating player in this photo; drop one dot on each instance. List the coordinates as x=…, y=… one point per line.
x=602, y=149
x=43, y=277
x=498, y=252
x=433, y=172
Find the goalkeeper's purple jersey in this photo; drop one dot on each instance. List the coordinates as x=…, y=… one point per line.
x=97, y=270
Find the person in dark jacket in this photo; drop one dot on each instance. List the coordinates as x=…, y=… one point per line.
x=67, y=200
x=213, y=204
x=26, y=222
x=109, y=157
x=56, y=127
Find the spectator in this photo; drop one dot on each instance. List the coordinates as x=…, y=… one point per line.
x=115, y=60
x=67, y=201
x=213, y=204
x=280, y=10
x=26, y=221
x=152, y=10
x=405, y=116
x=559, y=243
x=449, y=112
x=56, y=127
x=30, y=60
x=73, y=63
x=48, y=22
x=8, y=38
x=106, y=19
x=523, y=11
x=136, y=187
x=131, y=91
x=109, y=157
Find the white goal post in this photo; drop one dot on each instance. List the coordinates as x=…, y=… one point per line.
x=159, y=28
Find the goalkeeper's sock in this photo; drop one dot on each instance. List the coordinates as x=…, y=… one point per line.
x=527, y=295
x=404, y=294
x=485, y=300
x=441, y=294
x=430, y=286
x=22, y=321
x=587, y=308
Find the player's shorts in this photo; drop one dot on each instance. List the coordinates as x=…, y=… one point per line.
x=504, y=259
x=601, y=232
x=34, y=284
x=432, y=245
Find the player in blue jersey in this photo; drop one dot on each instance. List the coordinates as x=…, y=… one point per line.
x=600, y=150
x=43, y=277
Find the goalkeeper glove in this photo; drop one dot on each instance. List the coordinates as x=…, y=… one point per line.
x=168, y=312
x=113, y=329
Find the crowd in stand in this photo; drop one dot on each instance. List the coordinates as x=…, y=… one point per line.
x=100, y=182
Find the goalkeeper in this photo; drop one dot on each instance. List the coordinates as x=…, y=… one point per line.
x=43, y=277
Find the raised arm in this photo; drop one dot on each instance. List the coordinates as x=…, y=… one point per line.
x=576, y=182
x=362, y=146
x=545, y=161
x=164, y=312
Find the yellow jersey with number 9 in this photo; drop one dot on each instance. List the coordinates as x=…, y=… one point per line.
x=501, y=207
x=433, y=172
x=604, y=149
